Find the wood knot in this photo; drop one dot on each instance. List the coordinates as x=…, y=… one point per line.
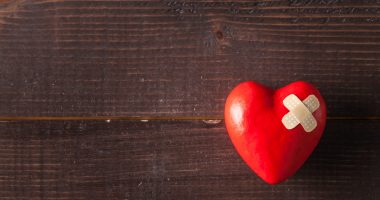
x=219, y=35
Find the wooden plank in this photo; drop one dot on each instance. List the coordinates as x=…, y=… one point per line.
x=174, y=160
x=168, y=58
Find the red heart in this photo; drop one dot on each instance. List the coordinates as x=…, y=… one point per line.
x=253, y=115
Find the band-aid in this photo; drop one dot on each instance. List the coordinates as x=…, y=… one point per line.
x=300, y=112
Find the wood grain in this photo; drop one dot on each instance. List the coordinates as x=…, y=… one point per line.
x=174, y=160
x=174, y=58
x=68, y=60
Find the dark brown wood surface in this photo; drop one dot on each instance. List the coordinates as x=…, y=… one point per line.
x=174, y=160
x=89, y=61
x=82, y=58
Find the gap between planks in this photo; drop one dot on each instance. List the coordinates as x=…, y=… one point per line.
x=142, y=118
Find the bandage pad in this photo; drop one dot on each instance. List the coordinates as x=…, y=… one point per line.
x=300, y=112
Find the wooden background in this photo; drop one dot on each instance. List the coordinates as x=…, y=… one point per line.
x=107, y=99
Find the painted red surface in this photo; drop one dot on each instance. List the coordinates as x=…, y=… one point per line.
x=253, y=116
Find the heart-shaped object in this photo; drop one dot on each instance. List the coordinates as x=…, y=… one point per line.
x=275, y=131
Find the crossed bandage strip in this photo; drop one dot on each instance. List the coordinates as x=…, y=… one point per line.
x=300, y=112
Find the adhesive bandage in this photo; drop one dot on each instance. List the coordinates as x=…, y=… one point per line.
x=300, y=112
